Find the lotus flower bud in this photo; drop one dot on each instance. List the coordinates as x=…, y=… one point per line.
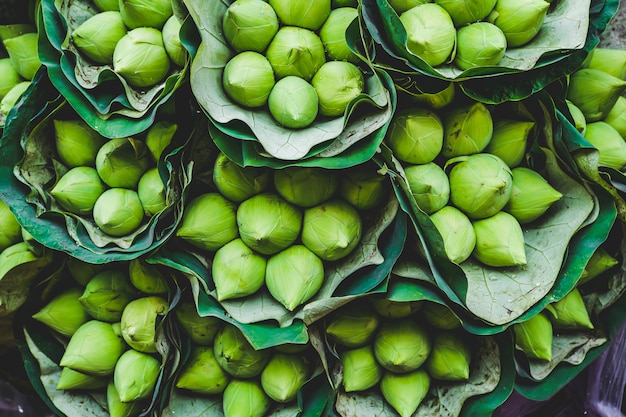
x=201, y=330
x=159, y=137
x=456, y=231
x=294, y=275
x=480, y=44
x=171, y=41
x=617, y=116
x=106, y=295
x=135, y=375
x=150, y=13
x=405, y=392
x=450, y=358
x=296, y=51
x=244, y=398
x=117, y=408
x=437, y=100
x=401, y=345
x=93, y=349
x=305, y=187
x=283, y=376
x=580, y=123
x=249, y=25
x=81, y=271
x=401, y=6
x=64, y=313
x=151, y=192
x=10, y=229
x=395, y=309
x=429, y=186
x=78, y=190
x=97, y=37
x=467, y=130
x=77, y=144
x=121, y=162
x=107, y=5
x=594, y=92
x=248, y=79
x=12, y=96
x=363, y=188
x=71, y=379
x=611, y=61
x=140, y=57
x=480, y=185
x=332, y=229
x=609, y=142
x=237, y=271
x=599, y=262
x=118, y=211
x=337, y=83
x=440, y=316
x=202, y=374
x=499, y=241
x=509, y=140
x=10, y=77
x=146, y=277
x=570, y=312
x=139, y=322
x=293, y=102
x=532, y=195
x=353, y=326
x=310, y=15
x=15, y=255
x=519, y=22
x=430, y=33
x=463, y=12
x=415, y=135
x=23, y=52
x=267, y=223
x=333, y=34
x=208, y=222
x=236, y=355
x=238, y=183
x=534, y=337
x=360, y=369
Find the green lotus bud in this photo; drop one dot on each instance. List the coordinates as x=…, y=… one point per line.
x=463, y=12
x=117, y=408
x=401, y=6
x=236, y=355
x=509, y=140
x=64, y=313
x=480, y=185
x=437, y=100
x=81, y=271
x=97, y=36
x=337, y=83
x=617, y=116
x=10, y=77
x=532, y=195
x=10, y=229
x=401, y=345
x=77, y=144
x=118, y=211
x=333, y=34
x=150, y=13
x=107, y=5
x=208, y=222
x=71, y=379
x=159, y=137
x=202, y=374
x=519, y=22
x=14, y=256
x=238, y=183
x=456, y=231
x=363, y=187
x=16, y=29
x=429, y=186
x=305, y=186
x=449, y=359
x=468, y=130
x=334, y=4
x=201, y=330
x=594, y=92
x=152, y=192
x=237, y=271
x=534, y=337
x=360, y=369
x=294, y=275
x=415, y=135
x=171, y=41
x=309, y=15
x=146, y=277
x=140, y=57
x=78, y=190
x=93, y=349
x=499, y=241
x=331, y=230
x=121, y=162
x=599, y=262
x=248, y=79
x=430, y=33
x=609, y=143
x=283, y=376
x=245, y=399
x=293, y=102
x=353, y=326
x=579, y=118
x=480, y=44
x=24, y=55
x=440, y=316
x=609, y=60
x=139, y=322
x=405, y=392
x=296, y=51
x=249, y=25
x=395, y=309
x=12, y=96
x=135, y=375
x=570, y=312
x=106, y=295
x=267, y=223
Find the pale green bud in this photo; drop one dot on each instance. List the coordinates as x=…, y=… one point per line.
x=532, y=195
x=77, y=144
x=617, y=116
x=457, y=232
x=296, y=51
x=107, y=5
x=360, y=369
x=463, y=12
x=395, y=309
x=159, y=137
x=202, y=373
x=580, y=123
x=208, y=222
x=117, y=408
x=15, y=255
x=135, y=375
x=78, y=190
x=415, y=135
x=140, y=57
x=121, y=162
x=509, y=140
x=171, y=41
x=97, y=37
x=283, y=376
x=10, y=229
x=450, y=358
x=363, y=188
x=236, y=355
x=405, y=392
x=107, y=294
x=118, y=211
x=293, y=102
x=609, y=60
x=64, y=313
x=401, y=345
x=430, y=33
x=353, y=326
x=238, y=183
x=12, y=96
x=333, y=34
x=24, y=55
x=10, y=77
x=201, y=330
x=401, y=6
x=71, y=379
x=152, y=192
x=520, y=22
x=245, y=398
x=570, y=312
x=237, y=270
x=594, y=92
x=81, y=271
x=310, y=15
x=480, y=44
x=599, y=262
x=429, y=186
x=499, y=241
x=343, y=3
x=304, y=186
x=337, y=83
x=248, y=79
x=436, y=100
x=468, y=130
x=609, y=142
x=534, y=337
x=440, y=316
x=249, y=25
x=150, y=13
x=146, y=277
x=138, y=322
